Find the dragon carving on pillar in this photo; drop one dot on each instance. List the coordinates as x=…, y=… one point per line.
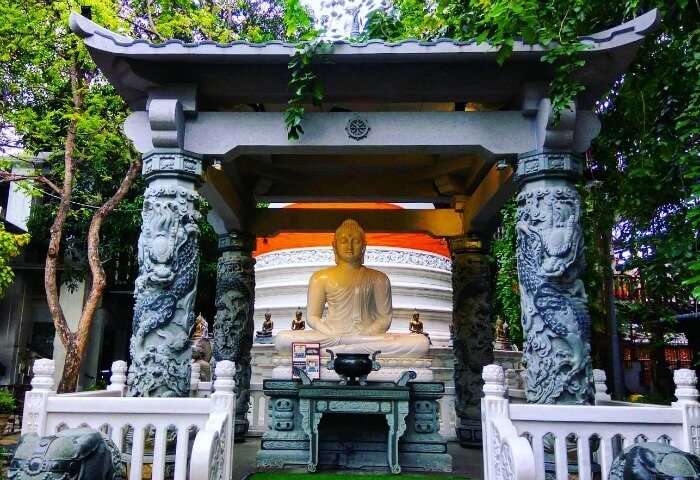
x=168, y=254
x=555, y=317
x=233, y=323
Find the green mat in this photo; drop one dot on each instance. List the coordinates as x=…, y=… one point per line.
x=355, y=476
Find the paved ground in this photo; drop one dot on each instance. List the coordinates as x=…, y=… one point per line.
x=465, y=461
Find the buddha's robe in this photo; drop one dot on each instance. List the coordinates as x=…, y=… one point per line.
x=358, y=317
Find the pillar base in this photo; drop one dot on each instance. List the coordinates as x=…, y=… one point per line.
x=240, y=429
x=469, y=433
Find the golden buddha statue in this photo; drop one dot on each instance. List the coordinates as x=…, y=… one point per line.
x=359, y=304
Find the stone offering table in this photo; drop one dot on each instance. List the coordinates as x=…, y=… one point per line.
x=348, y=438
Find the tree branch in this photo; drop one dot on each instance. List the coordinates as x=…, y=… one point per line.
x=6, y=177
x=99, y=281
x=56, y=232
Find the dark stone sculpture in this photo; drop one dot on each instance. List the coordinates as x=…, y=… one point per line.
x=73, y=454
x=655, y=461
x=298, y=323
x=473, y=332
x=265, y=335
x=233, y=323
x=165, y=293
x=353, y=368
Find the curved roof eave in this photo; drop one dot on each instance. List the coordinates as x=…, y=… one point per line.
x=135, y=66
x=104, y=40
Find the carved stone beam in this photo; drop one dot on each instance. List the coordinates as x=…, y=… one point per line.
x=571, y=131
x=232, y=134
x=233, y=324
x=167, y=282
x=473, y=331
x=550, y=264
x=167, y=122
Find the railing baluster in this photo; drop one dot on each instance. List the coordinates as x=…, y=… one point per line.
x=137, y=452
x=583, y=450
x=181, y=453
x=118, y=435
x=606, y=455
x=538, y=449
x=262, y=412
x=159, y=453
x=560, y=460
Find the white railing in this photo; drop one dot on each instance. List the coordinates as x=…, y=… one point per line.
x=448, y=414
x=257, y=411
x=190, y=438
x=522, y=441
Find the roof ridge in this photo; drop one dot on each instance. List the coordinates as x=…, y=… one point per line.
x=86, y=28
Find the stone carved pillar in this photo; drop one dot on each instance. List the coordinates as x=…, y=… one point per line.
x=473, y=332
x=550, y=263
x=233, y=324
x=168, y=255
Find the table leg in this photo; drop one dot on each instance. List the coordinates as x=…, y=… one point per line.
x=310, y=421
x=392, y=444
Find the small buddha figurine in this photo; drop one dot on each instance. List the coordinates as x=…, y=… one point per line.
x=201, y=328
x=298, y=323
x=201, y=348
x=265, y=335
x=416, y=326
x=501, y=342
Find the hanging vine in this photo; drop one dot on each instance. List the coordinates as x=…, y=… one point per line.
x=506, y=295
x=304, y=84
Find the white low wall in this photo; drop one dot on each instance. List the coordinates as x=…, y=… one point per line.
x=207, y=456
x=515, y=435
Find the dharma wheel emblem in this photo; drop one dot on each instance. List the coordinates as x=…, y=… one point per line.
x=357, y=128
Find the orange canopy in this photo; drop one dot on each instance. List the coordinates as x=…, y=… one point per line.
x=417, y=241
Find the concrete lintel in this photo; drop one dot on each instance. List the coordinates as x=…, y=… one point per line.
x=437, y=223
x=233, y=133
x=230, y=205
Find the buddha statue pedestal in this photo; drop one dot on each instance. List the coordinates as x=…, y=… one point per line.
x=391, y=370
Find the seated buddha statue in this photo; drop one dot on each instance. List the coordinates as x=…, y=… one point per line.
x=359, y=310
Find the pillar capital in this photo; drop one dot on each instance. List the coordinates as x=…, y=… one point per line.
x=172, y=163
x=236, y=241
x=537, y=164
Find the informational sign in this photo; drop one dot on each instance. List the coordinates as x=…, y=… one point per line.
x=307, y=357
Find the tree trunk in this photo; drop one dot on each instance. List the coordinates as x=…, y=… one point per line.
x=51, y=284
x=76, y=342
x=74, y=355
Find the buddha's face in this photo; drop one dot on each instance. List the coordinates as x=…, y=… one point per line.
x=349, y=246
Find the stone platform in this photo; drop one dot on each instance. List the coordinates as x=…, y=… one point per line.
x=383, y=426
